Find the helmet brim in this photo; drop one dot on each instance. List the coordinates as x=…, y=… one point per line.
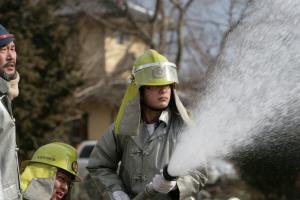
x=27, y=162
x=6, y=41
x=161, y=73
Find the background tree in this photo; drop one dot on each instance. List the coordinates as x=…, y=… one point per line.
x=48, y=76
x=191, y=33
x=271, y=162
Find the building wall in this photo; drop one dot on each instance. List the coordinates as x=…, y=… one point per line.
x=91, y=43
x=99, y=118
x=103, y=53
x=119, y=44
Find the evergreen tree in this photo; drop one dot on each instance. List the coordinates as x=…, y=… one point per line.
x=48, y=74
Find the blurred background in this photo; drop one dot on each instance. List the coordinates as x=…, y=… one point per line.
x=75, y=58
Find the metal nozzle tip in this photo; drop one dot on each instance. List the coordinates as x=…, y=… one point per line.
x=166, y=174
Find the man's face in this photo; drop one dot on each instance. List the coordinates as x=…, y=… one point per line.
x=62, y=185
x=8, y=58
x=157, y=97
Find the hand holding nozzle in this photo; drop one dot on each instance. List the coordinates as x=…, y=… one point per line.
x=162, y=183
x=120, y=195
x=166, y=174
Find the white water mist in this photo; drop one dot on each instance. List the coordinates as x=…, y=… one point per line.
x=257, y=79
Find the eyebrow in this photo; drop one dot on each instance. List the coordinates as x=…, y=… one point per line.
x=13, y=45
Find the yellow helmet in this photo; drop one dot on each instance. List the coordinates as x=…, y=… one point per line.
x=152, y=68
x=57, y=154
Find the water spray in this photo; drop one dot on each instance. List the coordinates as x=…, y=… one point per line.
x=254, y=85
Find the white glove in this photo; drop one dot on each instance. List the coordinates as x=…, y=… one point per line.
x=120, y=195
x=160, y=184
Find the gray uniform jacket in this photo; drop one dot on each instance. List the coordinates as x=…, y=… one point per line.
x=141, y=158
x=9, y=170
x=42, y=189
x=39, y=189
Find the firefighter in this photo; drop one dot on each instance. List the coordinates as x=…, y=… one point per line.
x=142, y=139
x=50, y=173
x=9, y=78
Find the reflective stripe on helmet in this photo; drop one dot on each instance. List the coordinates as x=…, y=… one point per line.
x=6, y=36
x=156, y=64
x=57, y=154
x=158, y=73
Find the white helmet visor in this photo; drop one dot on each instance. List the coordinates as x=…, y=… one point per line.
x=159, y=73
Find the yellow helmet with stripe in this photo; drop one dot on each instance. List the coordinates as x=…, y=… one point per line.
x=57, y=154
x=152, y=68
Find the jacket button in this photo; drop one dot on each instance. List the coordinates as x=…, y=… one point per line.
x=144, y=178
x=136, y=178
x=145, y=152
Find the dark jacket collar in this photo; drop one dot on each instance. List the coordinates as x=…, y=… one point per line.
x=3, y=86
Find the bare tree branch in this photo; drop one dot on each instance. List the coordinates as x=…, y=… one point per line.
x=180, y=38
x=163, y=27
x=158, y=6
x=233, y=25
x=205, y=56
x=139, y=30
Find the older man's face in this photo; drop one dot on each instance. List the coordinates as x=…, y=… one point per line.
x=8, y=59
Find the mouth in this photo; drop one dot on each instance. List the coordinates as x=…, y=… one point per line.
x=10, y=66
x=163, y=99
x=59, y=195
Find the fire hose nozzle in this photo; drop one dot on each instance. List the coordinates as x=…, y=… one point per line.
x=166, y=174
x=149, y=190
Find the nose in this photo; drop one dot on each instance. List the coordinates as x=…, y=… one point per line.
x=64, y=187
x=9, y=54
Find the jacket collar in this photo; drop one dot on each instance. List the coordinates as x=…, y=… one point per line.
x=165, y=116
x=3, y=86
x=143, y=136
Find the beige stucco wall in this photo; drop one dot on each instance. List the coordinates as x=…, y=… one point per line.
x=114, y=51
x=99, y=118
x=107, y=56
x=91, y=45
